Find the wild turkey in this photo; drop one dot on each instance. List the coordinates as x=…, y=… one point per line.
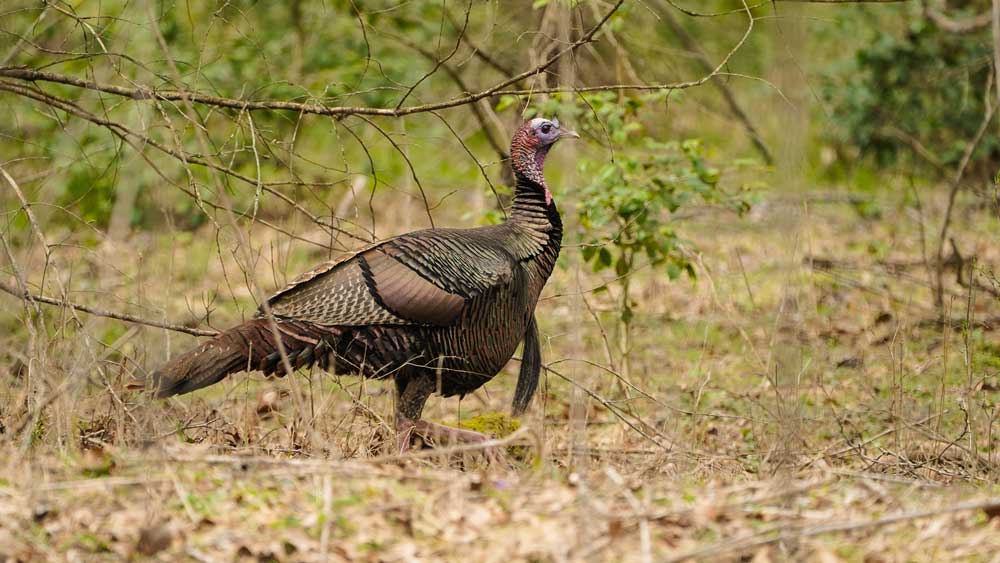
x=436, y=310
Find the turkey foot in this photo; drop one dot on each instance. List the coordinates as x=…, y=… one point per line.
x=440, y=435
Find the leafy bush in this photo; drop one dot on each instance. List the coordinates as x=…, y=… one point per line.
x=919, y=94
x=628, y=210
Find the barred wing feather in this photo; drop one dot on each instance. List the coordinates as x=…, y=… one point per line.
x=422, y=278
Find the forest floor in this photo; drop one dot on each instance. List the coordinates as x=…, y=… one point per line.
x=799, y=400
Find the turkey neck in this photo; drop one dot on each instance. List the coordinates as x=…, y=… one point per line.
x=533, y=211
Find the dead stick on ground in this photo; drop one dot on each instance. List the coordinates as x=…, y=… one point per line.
x=755, y=540
x=855, y=447
x=511, y=439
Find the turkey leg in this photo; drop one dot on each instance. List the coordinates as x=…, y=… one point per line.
x=413, y=394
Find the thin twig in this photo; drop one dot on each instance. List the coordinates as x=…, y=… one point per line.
x=689, y=43
x=33, y=298
x=956, y=184
x=145, y=93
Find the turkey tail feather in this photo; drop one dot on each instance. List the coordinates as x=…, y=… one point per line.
x=531, y=366
x=249, y=346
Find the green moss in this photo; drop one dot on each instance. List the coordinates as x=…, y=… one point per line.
x=38, y=432
x=987, y=355
x=100, y=467
x=93, y=543
x=287, y=522
x=495, y=424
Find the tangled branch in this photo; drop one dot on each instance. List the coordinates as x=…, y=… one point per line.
x=146, y=93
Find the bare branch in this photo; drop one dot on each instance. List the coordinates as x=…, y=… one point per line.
x=845, y=1
x=959, y=26
x=438, y=63
x=138, y=140
x=32, y=298
x=689, y=12
x=956, y=184
x=145, y=93
x=688, y=41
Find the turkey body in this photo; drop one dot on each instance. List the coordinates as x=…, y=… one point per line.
x=497, y=303
x=453, y=304
x=436, y=310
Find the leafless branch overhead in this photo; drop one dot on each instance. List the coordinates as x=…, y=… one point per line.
x=32, y=75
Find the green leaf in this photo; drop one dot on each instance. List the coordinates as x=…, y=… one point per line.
x=673, y=271
x=505, y=102
x=689, y=268
x=603, y=259
x=709, y=175
x=621, y=266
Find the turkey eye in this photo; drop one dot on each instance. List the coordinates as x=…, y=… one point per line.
x=546, y=128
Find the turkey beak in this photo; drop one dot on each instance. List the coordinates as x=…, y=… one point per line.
x=569, y=133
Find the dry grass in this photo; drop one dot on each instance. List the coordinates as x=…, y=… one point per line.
x=798, y=401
